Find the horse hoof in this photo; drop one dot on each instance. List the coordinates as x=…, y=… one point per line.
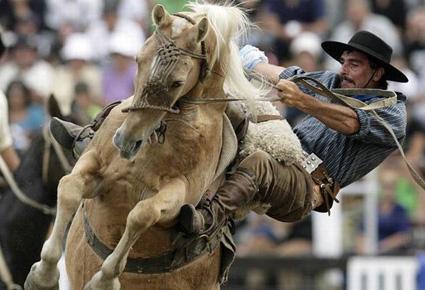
x=35, y=280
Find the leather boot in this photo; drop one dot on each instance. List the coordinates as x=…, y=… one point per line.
x=71, y=136
x=238, y=190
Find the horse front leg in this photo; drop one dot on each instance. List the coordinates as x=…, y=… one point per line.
x=161, y=208
x=79, y=184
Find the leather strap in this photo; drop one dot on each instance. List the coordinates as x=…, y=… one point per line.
x=329, y=188
x=167, y=262
x=265, y=118
x=98, y=120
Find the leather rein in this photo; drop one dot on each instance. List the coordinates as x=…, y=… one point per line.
x=20, y=195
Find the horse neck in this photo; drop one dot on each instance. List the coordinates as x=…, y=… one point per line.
x=211, y=87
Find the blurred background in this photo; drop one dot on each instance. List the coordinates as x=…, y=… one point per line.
x=83, y=52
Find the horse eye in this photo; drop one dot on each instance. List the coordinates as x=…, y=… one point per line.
x=177, y=84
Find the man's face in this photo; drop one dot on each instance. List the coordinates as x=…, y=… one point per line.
x=355, y=70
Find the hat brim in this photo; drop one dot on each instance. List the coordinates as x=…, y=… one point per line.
x=335, y=50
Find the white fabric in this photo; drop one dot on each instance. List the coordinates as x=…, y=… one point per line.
x=100, y=35
x=274, y=137
x=39, y=77
x=79, y=13
x=78, y=46
x=124, y=44
x=136, y=10
x=5, y=136
x=251, y=56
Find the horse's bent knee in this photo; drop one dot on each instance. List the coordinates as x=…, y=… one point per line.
x=142, y=218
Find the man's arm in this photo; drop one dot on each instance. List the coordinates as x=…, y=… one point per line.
x=338, y=117
x=11, y=158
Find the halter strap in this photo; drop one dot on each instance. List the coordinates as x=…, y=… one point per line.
x=164, y=63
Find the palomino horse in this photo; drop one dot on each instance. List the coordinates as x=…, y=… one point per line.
x=131, y=204
x=24, y=226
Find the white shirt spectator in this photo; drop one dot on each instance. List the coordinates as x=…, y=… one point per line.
x=79, y=13
x=100, y=35
x=136, y=10
x=38, y=77
x=5, y=135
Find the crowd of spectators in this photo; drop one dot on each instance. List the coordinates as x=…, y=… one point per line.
x=83, y=52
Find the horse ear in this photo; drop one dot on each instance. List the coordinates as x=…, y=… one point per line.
x=53, y=107
x=160, y=15
x=202, y=29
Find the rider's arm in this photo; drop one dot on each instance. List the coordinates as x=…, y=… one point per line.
x=338, y=117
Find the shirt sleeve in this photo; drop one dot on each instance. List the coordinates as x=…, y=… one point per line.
x=372, y=131
x=5, y=136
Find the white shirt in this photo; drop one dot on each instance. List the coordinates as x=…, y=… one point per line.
x=5, y=136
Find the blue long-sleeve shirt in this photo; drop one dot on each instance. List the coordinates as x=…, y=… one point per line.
x=349, y=157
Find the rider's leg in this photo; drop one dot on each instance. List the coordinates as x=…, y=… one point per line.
x=288, y=189
x=74, y=137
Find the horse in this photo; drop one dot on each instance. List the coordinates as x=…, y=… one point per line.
x=157, y=150
x=23, y=227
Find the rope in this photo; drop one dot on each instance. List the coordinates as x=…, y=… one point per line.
x=5, y=274
x=19, y=194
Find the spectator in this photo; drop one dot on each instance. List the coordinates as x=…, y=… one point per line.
x=394, y=10
x=137, y=11
x=12, y=10
x=393, y=220
x=78, y=55
x=100, y=32
x=26, y=119
x=7, y=151
x=359, y=17
x=415, y=43
x=305, y=50
x=27, y=66
x=284, y=19
x=77, y=15
x=83, y=99
x=265, y=236
x=118, y=76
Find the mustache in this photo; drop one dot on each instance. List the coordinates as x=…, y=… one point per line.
x=347, y=79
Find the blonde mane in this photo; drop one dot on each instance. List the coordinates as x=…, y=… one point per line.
x=230, y=25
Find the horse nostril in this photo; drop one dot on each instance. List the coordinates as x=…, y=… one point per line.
x=117, y=138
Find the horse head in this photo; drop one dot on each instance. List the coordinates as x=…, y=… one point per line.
x=170, y=64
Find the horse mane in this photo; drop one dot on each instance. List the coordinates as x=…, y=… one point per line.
x=230, y=25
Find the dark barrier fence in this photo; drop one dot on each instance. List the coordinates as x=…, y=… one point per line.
x=287, y=273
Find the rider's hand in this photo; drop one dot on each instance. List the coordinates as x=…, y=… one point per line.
x=251, y=56
x=289, y=93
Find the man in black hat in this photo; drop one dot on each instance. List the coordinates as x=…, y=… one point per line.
x=347, y=143
x=341, y=144
x=7, y=151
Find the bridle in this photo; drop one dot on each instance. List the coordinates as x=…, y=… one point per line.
x=165, y=62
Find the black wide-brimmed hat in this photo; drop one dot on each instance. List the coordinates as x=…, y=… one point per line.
x=370, y=44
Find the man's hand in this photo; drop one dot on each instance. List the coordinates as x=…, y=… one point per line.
x=291, y=95
x=338, y=117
